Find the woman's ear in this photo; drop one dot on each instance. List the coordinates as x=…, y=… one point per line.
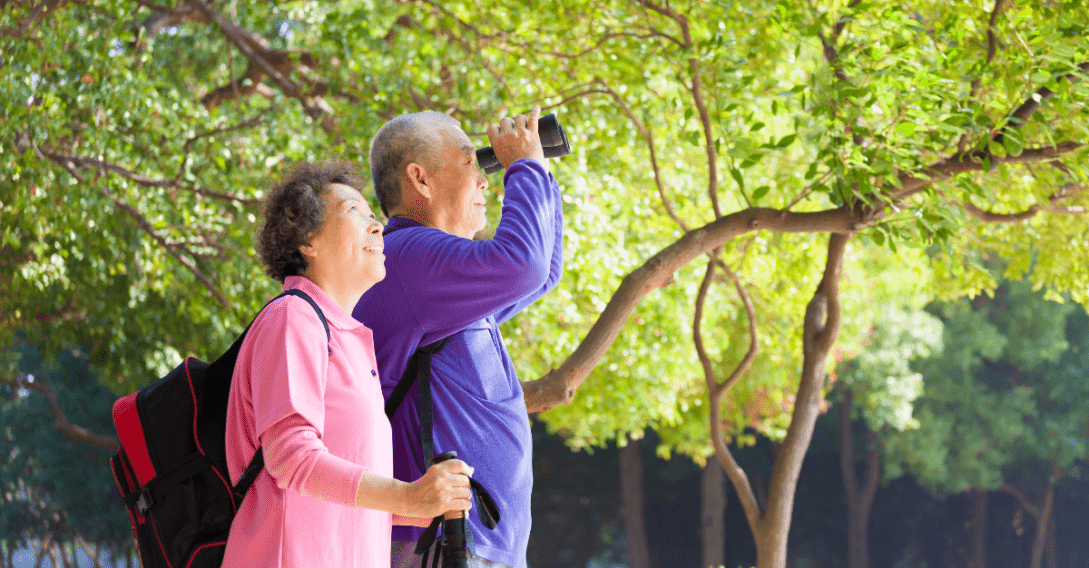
x=307, y=250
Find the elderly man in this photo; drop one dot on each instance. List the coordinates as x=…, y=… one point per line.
x=441, y=283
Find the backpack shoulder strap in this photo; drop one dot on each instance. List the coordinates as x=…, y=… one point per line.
x=313, y=304
x=412, y=371
x=226, y=361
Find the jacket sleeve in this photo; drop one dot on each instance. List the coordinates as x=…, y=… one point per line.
x=555, y=266
x=298, y=460
x=452, y=282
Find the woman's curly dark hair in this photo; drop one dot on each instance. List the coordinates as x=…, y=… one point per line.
x=294, y=210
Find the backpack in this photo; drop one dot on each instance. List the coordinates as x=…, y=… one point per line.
x=171, y=468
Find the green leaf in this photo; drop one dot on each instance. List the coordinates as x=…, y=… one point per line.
x=786, y=140
x=1013, y=142
x=737, y=177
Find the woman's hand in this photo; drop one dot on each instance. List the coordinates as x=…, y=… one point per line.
x=444, y=488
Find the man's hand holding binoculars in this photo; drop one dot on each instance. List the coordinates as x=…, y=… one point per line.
x=517, y=138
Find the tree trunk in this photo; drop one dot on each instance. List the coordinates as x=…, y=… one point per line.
x=1052, y=558
x=1042, y=523
x=631, y=493
x=92, y=552
x=713, y=509
x=978, y=556
x=43, y=550
x=859, y=497
x=819, y=334
x=65, y=549
x=54, y=557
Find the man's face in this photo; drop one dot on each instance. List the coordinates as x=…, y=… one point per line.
x=458, y=186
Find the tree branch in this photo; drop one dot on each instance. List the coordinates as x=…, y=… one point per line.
x=163, y=17
x=649, y=138
x=60, y=420
x=38, y=12
x=559, y=385
x=1023, y=113
x=913, y=183
x=992, y=50
x=1024, y=501
x=75, y=163
x=696, y=89
x=828, y=45
x=170, y=249
x=716, y=391
x=667, y=12
x=990, y=217
x=750, y=313
x=248, y=123
x=275, y=64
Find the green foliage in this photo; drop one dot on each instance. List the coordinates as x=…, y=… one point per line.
x=128, y=220
x=880, y=377
x=53, y=486
x=1010, y=387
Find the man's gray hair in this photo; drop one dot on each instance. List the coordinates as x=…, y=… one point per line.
x=404, y=140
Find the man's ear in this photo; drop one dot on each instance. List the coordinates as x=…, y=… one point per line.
x=418, y=179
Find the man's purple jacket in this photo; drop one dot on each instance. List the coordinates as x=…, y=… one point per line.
x=439, y=285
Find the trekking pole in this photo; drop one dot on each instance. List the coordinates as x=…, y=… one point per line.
x=455, y=553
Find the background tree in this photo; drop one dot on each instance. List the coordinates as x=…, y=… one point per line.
x=761, y=138
x=878, y=388
x=1004, y=407
x=56, y=491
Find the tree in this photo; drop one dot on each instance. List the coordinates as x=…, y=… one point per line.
x=1003, y=406
x=761, y=139
x=631, y=495
x=879, y=388
x=56, y=492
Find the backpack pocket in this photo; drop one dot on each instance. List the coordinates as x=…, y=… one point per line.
x=207, y=555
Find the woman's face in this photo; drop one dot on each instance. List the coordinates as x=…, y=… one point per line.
x=348, y=246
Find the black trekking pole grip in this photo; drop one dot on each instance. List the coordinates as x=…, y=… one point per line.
x=455, y=553
x=553, y=142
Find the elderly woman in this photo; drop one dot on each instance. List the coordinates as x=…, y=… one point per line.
x=326, y=496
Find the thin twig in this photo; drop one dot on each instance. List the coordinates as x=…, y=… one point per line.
x=649, y=138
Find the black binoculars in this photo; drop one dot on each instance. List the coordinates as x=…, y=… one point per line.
x=553, y=140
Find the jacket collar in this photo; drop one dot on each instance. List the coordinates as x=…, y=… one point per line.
x=400, y=223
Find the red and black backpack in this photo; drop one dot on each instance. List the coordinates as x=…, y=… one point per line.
x=172, y=464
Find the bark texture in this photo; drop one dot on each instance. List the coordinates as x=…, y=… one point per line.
x=631, y=494
x=712, y=512
x=978, y=556
x=860, y=495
